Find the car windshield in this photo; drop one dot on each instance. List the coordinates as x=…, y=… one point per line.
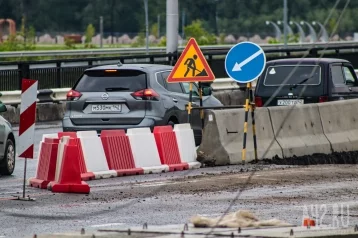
x=293, y=75
x=112, y=80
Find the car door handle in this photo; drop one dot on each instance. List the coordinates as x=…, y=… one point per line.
x=175, y=100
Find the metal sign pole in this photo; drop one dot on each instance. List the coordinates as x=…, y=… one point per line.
x=24, y=184
x=201, y=105
x=252, y=107
x=190, y=101
x=245, y=123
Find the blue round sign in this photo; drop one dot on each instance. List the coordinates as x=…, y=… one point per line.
x=245, y=62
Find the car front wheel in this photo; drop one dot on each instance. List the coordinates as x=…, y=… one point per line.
x=8, y=163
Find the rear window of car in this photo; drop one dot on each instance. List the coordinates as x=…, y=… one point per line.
x=111, y=80
x=293, y=74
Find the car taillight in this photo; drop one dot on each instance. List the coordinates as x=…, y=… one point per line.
x=258, y=102
x=145, y=94
x=323, y=99
x=73, y=95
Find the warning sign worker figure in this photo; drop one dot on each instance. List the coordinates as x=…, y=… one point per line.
x=190, y=64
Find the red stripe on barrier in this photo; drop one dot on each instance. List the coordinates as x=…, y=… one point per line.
x=70, y=175
x=28, y=153
x=168, y=148
x=27, y=118
x=119, y=153
x=46, y=169
x=26, y=84
x=82, y=163
x=85, y=175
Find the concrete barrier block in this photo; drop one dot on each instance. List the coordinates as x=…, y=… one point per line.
x=230, y=97
x=298, y=130
x=340, y=124
x=50, y=111
x=45, y=112
x=223, y=137
x=12, y=114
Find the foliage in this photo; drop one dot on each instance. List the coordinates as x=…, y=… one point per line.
x=154, y=30
x=163, y=42
x=22, y=40
x=90, y=31
x=197, y=31
x=140, y=40
x=237, y=17
x=70, y=43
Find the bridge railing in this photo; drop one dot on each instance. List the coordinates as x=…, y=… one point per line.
x=63, y=73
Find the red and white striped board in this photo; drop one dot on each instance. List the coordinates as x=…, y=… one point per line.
x=27, y=118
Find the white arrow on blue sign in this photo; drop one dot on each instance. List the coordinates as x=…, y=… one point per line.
x=245, y=62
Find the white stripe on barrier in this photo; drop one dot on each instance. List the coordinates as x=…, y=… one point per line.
x=61, y=146
x=26, y=139
x=28, y=97
x=186, y=144
x=94, y=155
x=145, y=150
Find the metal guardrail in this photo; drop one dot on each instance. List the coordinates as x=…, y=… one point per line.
x=151, y=50
x=63, y=73
x=58, y=95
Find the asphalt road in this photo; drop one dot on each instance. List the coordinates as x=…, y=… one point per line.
x=172, y=198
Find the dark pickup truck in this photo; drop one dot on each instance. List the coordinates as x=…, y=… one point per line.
x=302, y=81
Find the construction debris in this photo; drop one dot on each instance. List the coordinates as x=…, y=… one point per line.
x=241, y=218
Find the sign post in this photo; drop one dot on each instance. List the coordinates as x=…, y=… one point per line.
x=27, y=125
x=244, y=63
x=191, y=67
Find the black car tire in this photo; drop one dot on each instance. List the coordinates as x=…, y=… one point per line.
x=7, y=165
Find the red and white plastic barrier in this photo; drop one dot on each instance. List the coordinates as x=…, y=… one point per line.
x=168, y=148
x=186, y=144
x=119, y=152
x=145, y=151
x=68, y=174
x=116, y=153
x=93, y=152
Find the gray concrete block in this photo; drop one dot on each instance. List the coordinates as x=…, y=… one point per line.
x=298, y=130
x=230, y=97
x=223, y=137
x=50, y=111
x=45, y=112
x=340, y=124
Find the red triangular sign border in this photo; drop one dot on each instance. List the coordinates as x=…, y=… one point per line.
x=209, y=78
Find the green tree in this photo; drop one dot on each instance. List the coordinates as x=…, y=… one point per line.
x=90, y=31
x=197, y=31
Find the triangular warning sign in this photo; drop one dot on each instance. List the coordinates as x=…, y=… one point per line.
x=191, y=66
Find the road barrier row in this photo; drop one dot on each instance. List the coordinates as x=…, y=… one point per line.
x=113, y=154
x=282, y=132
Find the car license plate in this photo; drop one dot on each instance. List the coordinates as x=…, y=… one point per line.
x=107, y=108
x=289, y=102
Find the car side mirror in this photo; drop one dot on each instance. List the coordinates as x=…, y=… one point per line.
x=3, y=108
x=207, y=91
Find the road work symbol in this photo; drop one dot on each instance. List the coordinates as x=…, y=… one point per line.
x=245, y=62
x=191, y=66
